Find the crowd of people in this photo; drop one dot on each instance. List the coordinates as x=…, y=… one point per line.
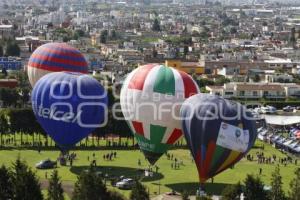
x=261, y=158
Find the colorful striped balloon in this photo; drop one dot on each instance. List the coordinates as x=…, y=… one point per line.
x=151, y=98
x=219, y=132
x=55, y=57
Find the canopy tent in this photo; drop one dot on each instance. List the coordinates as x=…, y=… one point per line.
x=282, y=120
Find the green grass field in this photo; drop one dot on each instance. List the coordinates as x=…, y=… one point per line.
x=126, y=163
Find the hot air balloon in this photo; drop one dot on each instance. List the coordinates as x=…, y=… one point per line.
x=69, y=106
x=55, y=57
x=151, y=98
x=218, y=132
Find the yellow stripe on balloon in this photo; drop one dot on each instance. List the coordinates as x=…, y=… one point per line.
x=232, y=157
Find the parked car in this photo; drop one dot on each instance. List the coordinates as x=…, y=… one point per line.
x=268, y=110
x=288, y=109
x=46, y=164
x=126, y=183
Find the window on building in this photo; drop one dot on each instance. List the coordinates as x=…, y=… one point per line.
x=255, y=93
x=228, y=93
x=242, y=93
x=218, y=93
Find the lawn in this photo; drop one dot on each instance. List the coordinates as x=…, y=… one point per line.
x=126, y=163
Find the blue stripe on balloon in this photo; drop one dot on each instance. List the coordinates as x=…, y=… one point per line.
x=55, y=64
x=66, y=57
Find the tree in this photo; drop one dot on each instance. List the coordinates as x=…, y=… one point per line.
x=8, y=96
x=139, y=192
x=256, y=78
x=25, y=183
x=5, y=184
x=232, y=192
x=185, y=195
x=103, y=36
x=3, y=126
x=185, y=50
x=12, y=49
x=90, y=186
x=156, y=26
x=294, y=193
x=113, y=195
x=293, y=36
x=1, y=51
x=233, y=30
x=55, y=191
x=276, y=185
x=254, y=188
x=113, y=34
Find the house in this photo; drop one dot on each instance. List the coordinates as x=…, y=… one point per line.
x=8, y=83
x=186, y=66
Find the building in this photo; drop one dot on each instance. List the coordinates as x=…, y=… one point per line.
x=256, y=90
x=6, y=31
x=10, y=63
x=186, y=66
x=8, y=83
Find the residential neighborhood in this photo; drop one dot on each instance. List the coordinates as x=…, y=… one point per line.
x=149, y=99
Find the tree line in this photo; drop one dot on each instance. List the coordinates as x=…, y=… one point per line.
x=21, y=183
x=22, y=121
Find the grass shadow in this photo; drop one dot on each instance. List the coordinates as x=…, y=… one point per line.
x=192, y=187
x=116, y=172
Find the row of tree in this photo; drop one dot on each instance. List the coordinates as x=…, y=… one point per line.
x=21, y=183
x=9, y=48
x=22, y=121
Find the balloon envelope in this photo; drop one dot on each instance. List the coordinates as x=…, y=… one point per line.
x=151, y=97
x=55, y=57
x=69, y=106
x=219, y=132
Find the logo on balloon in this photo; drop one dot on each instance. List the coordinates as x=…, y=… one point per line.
x=237, y=133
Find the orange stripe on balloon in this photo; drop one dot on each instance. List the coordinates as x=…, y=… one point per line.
x=230, y=160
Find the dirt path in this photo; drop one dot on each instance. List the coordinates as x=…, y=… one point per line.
x=67, y=186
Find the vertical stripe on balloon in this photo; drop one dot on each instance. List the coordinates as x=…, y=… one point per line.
x=138, y=79
x=189, y=85
x=208, y=157
x=165, y=81
x=157, y=133
x=138, y=127
x=217, y=155
x=175, y=135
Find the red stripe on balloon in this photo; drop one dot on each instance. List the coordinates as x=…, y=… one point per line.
x=189, y=85
x=208, y=157
x=72, y=52
x=138, y=79
x=176, y=134
x=198, y=161
x=138, y=127
x=56, y=69
x=59, y=60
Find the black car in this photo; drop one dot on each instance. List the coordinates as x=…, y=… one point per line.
x=46, y=164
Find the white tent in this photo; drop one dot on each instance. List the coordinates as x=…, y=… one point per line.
x=281, y=120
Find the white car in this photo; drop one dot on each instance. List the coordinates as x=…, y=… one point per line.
x=126, y=183
x=268, y=110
